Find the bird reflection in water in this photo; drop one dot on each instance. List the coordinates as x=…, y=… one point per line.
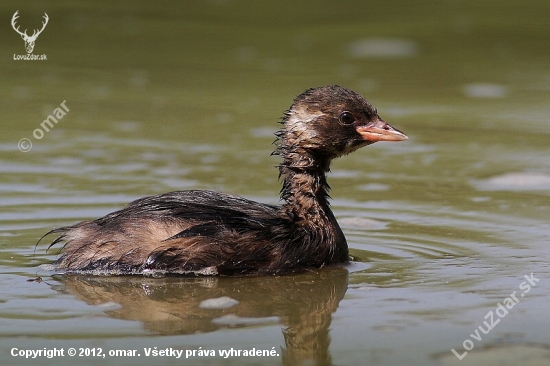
x=303, y=304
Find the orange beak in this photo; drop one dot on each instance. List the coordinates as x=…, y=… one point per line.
x=380, y=130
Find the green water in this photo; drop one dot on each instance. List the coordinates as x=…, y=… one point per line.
x=186, y=95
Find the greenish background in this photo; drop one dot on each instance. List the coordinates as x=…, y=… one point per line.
x=173, y=95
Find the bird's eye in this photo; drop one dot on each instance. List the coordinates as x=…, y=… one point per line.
x=347, y=118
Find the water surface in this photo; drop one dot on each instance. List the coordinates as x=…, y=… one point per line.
x=442, y=227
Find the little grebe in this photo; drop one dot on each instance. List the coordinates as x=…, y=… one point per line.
x=210, y=233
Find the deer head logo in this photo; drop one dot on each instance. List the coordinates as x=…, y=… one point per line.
x=29, y=40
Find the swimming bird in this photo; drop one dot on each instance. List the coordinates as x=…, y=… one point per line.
x=201, y=232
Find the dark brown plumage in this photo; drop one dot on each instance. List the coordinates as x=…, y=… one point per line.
x=209, y=233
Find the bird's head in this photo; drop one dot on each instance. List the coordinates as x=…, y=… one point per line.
x=331, y=121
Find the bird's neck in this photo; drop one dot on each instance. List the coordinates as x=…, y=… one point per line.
x=305, y=192
x=305, y=188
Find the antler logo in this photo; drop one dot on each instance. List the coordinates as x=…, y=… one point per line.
x=29, y=40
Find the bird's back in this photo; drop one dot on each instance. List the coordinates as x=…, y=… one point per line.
x=185, y=232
